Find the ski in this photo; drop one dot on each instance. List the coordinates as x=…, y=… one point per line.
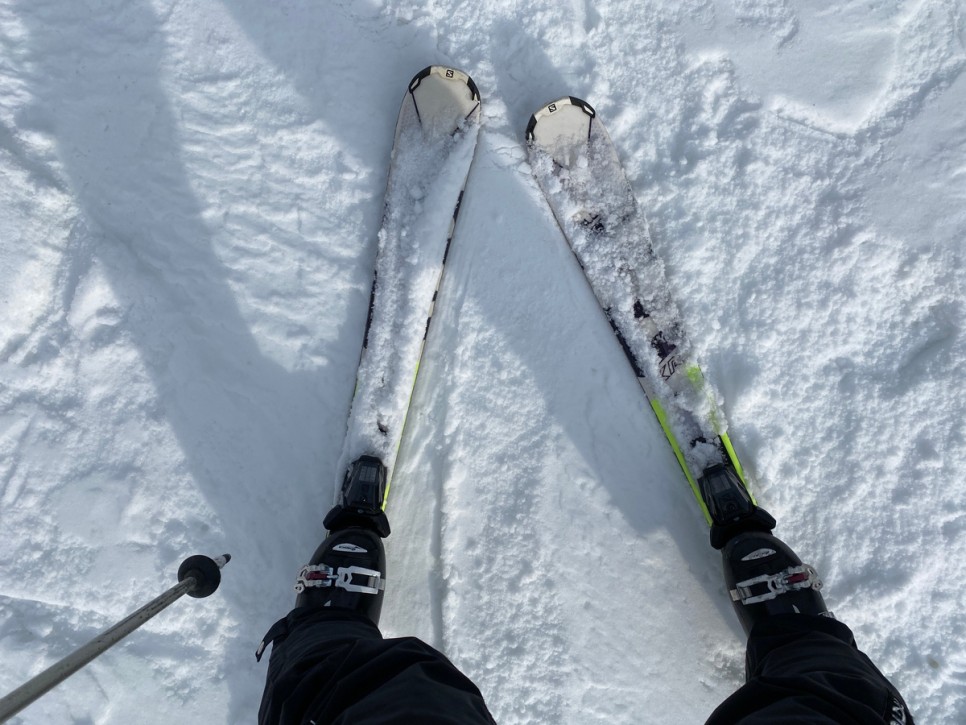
x=433, y=148
x=577, y=168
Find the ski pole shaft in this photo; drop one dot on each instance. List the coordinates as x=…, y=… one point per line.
x=198, y=576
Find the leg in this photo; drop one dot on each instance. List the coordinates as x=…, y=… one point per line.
x=802, y=665
x=330, y=663
x=332, y=666
x=807, y=668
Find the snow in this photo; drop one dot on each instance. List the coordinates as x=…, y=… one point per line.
x=190, y=197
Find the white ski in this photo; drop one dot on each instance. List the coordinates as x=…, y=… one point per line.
x=433, y=148
x=577, y=168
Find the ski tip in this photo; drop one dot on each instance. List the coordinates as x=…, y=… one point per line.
x=565, y=107
x=444, y=98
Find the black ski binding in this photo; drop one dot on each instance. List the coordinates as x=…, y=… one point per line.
x=730, y=505
x=363, y=491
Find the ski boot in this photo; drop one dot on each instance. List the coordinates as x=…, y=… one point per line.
x=764, y=576
x=348, y=570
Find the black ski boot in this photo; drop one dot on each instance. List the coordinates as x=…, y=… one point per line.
x=765, y=577
x=348, y=570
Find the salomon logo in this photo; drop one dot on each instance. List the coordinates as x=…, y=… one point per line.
x=349, y=549
x=758, y=554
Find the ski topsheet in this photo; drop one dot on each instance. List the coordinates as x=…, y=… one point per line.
x=577, y=168
x=432, y=151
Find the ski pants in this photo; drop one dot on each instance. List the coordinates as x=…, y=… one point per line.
x=335, y=667
x=807, y=669
x=331, y=666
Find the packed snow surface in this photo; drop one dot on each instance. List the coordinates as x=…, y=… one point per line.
x=190, y=199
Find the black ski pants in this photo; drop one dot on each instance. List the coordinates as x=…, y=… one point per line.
x=335, y=667
x=807, y=669
x=332, y=666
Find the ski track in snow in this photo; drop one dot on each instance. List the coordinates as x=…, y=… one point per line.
x=190, y=198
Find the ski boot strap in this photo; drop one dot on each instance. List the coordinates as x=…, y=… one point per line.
x=319, y=575
x=769, y=586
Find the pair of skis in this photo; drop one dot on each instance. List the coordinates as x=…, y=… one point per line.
x=577, y=168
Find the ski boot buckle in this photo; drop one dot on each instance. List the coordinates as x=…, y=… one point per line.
x=794, y=578
x=319, y=575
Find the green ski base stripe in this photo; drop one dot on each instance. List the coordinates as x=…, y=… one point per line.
x=662, y=419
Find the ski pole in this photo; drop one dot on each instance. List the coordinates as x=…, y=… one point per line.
x=198, y=576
